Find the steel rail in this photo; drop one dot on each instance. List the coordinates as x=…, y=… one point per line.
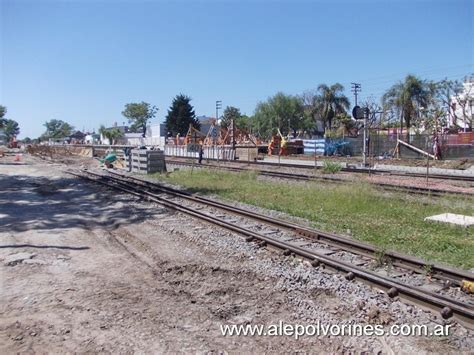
x=448, y=308
x=349, y=170
x=415, y=264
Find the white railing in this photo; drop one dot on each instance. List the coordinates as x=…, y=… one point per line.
x=211, y=152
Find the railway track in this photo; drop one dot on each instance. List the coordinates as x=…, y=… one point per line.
x=333, y=179
x=371, y=171
x=428, y=285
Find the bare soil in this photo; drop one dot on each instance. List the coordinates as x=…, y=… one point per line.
x=85, y=269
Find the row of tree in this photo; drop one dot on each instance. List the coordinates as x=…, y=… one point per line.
x=288, y=113
x=425, y=103
x=180, y=115
x=314, y=111
x=411, y=102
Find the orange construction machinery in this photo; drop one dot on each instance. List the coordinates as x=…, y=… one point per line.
x=279, y=145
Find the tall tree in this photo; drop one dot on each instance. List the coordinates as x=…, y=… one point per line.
x=138, y=115
x=331, y=102
x=11, y=129
x=3, y=112
x=407, y=98
x=181, y=115
x=376, y=114
x=281, y=111
x=57, y=129
x=243, y=123
x=230, y=113
x=313, y=109
x=447, y=89
x=463, y=99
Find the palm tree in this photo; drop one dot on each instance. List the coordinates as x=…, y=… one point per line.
x=331, y=102
x=110, y=133
x=407, y=98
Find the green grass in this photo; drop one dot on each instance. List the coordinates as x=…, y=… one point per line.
x=387, y=220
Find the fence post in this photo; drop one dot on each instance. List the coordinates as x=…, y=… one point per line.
x=315, y=163
x=279, y=155
x=427, y=163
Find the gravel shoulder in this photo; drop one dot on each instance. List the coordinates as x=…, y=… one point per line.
x=83, y=268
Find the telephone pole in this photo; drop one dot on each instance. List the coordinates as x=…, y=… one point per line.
x=356, y=88
x=218, y=106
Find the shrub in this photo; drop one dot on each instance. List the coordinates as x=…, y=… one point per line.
x=331, y=167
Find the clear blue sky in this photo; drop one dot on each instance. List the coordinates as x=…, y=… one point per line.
x=81, y=61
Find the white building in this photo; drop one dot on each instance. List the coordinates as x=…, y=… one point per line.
x=154, y=136
x=91, y=138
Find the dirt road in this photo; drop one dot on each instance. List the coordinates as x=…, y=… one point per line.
x=83, y=268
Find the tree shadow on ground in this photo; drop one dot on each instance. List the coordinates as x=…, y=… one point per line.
x=40, y=203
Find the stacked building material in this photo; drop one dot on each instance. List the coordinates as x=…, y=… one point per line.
x=146, y=161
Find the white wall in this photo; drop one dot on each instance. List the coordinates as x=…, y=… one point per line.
x=153, y=131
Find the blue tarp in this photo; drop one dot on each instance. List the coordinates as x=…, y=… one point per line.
x=327, y=146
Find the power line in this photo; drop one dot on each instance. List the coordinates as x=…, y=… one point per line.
x=379, y=90
x=368, y=83
x=418, y=71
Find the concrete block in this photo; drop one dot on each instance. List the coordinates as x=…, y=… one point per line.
x=457, y=219
x=147, y=161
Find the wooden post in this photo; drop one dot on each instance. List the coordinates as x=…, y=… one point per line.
x=427, y=169
x=364, y=152
x=279, y=145
x=427, y=163
x=398, y=145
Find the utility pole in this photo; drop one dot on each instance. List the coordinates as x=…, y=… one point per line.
x=233, y=134
x=218, y=106
x=356, y=88
x=364, y=152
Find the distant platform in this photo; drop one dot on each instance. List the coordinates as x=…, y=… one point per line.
x=457, y=219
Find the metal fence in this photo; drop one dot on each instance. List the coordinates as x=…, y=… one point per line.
x=452, y=146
